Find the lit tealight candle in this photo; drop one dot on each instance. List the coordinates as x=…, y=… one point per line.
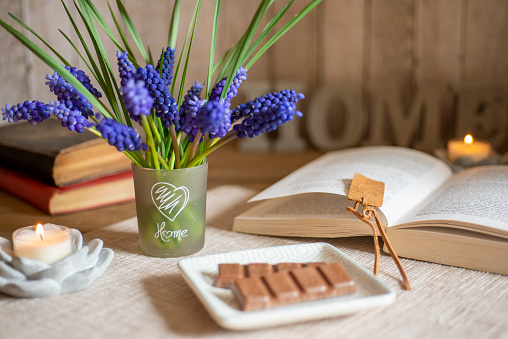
x=476, y=150
x=49, y=243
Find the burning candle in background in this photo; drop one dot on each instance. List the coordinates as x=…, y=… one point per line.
x=49, y=243
x=476, y=150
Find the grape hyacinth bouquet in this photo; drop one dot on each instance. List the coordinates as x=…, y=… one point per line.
x=180, y=129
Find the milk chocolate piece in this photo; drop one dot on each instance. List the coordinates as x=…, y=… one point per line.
x=228, y=273
x=252, y=293
x=337, y=278
x=291, y=286
x=286, y=266
x=258, y=269
x=310, y=281
x=282, y=286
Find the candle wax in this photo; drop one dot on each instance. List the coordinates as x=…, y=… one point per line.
x=55, y=245
x=477, y=151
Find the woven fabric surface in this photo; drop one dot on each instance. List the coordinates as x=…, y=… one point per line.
x=145, y=297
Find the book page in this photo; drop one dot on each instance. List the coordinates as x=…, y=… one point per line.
x=474, y=196
x=308, y=205
x=409, y=176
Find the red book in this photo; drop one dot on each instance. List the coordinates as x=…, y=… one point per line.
x=104, y=191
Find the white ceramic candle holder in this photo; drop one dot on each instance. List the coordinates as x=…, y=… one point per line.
x=460, y=164
x=29, y=278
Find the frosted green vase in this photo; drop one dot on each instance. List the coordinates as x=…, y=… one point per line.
x=170, y=207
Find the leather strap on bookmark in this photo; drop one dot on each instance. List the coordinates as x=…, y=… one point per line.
x=369, y=193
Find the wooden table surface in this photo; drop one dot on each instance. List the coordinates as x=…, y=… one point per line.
x=227, y=166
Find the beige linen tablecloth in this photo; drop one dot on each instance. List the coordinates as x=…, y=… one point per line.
x=145, y=297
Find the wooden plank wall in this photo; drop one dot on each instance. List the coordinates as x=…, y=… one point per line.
x=358, y=62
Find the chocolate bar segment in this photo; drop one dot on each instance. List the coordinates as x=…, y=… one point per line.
x=258, y=269
x=291, y=286
x=228, y=273
x=252, y=293
x=282, y=286
x=337, y=277
x=310, y=281
x=287, y=266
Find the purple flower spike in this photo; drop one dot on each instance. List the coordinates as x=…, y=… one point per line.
x=216, y=92
x=126, y=68
x=266, y=114
x=168, y=61
x=214, y=118
x=137, y=99
x=121, y=136
x=164, y=104
x=32, y=111
x=68, y=95
x=72, y=119
x=263, y=102
x=189, y=109
x=84, y=79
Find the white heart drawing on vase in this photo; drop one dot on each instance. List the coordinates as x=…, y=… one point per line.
x=169, y=199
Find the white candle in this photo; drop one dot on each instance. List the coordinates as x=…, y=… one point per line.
x=476, y=150
x=49, y=243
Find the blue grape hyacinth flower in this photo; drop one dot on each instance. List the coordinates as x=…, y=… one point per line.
x=266, y=113
x=84, y=79
x=137, y=99
x=121, y=136
x=68, y=95
x=216, y=91
x=31, y=110
x=165, y=105
x=189, y=108
x=263, y=102
x=72, y=119
x=168, y=60
x=126, y=68
x=214, y=118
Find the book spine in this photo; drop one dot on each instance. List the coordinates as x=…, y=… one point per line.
x=31, y=191
x=36, y=165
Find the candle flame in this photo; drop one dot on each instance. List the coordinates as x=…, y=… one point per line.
x=40, y=231
x=468, y=139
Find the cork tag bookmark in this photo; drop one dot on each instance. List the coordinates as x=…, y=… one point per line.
x=369, y=193
x=364, y=188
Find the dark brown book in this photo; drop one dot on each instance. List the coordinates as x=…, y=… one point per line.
x=56, y=156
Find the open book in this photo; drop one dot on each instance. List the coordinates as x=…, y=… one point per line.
x=431, y=214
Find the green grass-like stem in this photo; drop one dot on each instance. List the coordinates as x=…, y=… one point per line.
x=184, y=73
x=200, y=157
x=154, y=129
x=283, y=31
x=132, y=29
x=41, y=39
x=173, y=26
x=212, y=45
x=176, y=150
x=251, y=30
x=149, y=140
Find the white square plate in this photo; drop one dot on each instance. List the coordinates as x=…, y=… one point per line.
x=200, y=273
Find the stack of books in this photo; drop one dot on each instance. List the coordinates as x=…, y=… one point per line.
x=60, y=171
